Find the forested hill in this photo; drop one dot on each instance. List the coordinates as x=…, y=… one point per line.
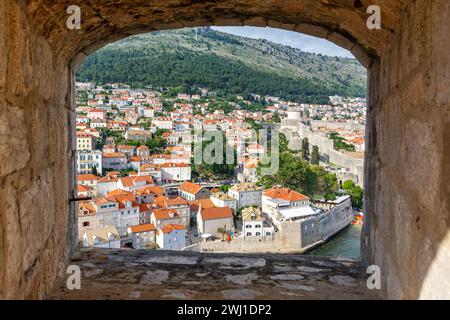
x=227, y=64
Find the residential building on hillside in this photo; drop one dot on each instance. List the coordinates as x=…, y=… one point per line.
x=87, y=160
x=87, y=218
x=212, y=220
x=161, y=217
x=133, y=183
x=246, y=194
x=99, y=114
x=143, y=235
x=193, y=191
x=178, y=203
x=85, y=141
x=103, y=237
x=254, y=225
x=248, y=173
x=171, y=237
x=221, y=199
x=143, y=151
x=171, y=172
x=85, y=191
x=115, y=161
x=138, y=135
x=106, y=184
x=118, y=210
x=87, y=179
x=283, y=204
x=126, y=149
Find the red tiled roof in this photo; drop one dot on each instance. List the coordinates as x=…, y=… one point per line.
x=163, y=214
x=156, y=190
x=87, y=177
x=143, y=228
x=114, y=155
x=82, y=188
x=132, y=181
x=169, y=228
x=190, y=187
x=285, y=194
x=206, y=203
x=145, y=207
x=216, y=213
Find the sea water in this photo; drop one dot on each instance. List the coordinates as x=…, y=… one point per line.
x=345, y=244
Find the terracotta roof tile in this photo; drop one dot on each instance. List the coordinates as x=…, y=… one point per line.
x=216, y=213
x=190, y=187
x=285, y=194
x=143, y=228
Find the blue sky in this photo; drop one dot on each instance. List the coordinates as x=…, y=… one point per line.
x=289, y=38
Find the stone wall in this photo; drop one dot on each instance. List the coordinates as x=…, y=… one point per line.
x=287, y=241
x=316, y=124
x=293, y=237
x=35, y=149
x=408, y=165
x=296, y=134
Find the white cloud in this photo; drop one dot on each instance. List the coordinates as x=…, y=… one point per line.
x=289, y=38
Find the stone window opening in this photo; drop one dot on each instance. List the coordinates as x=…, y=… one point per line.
x=408, y=72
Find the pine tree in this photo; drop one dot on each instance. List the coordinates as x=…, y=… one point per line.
x=315, y=157
x=305, y=149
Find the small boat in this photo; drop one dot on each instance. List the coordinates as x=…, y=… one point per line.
x=358, y=219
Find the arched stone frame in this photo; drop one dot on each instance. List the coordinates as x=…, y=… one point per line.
x=406, y=195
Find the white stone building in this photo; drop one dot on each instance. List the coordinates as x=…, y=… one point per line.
x=171, y=237
x=115, y=161
x=103, y=237
x=142, y=235
x=221, y=199
x=85, y=141
x=246, y=194
x=89, y=159
x=284, y=204
x=211, y=220
x=175, y=172
x=254, y=225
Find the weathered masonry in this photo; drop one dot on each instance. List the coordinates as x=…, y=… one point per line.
x=407, y=179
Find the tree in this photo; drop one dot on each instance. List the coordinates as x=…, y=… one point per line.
x=293, y=173
x=339, y=142
x=283, y=143
x=357, y=195
x=315, y=157
x=224, y=188
x=355, y=192
x=276, y=118
x=157, y=143
x=348, y=185
x=327, y=183
x=220, y=170
x=305, y=149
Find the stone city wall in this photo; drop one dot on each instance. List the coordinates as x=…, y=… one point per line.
x=296, y=134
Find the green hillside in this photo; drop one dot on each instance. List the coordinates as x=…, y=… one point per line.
x=227, y=64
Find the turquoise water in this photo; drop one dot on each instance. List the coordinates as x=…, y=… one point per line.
x=345, y=244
